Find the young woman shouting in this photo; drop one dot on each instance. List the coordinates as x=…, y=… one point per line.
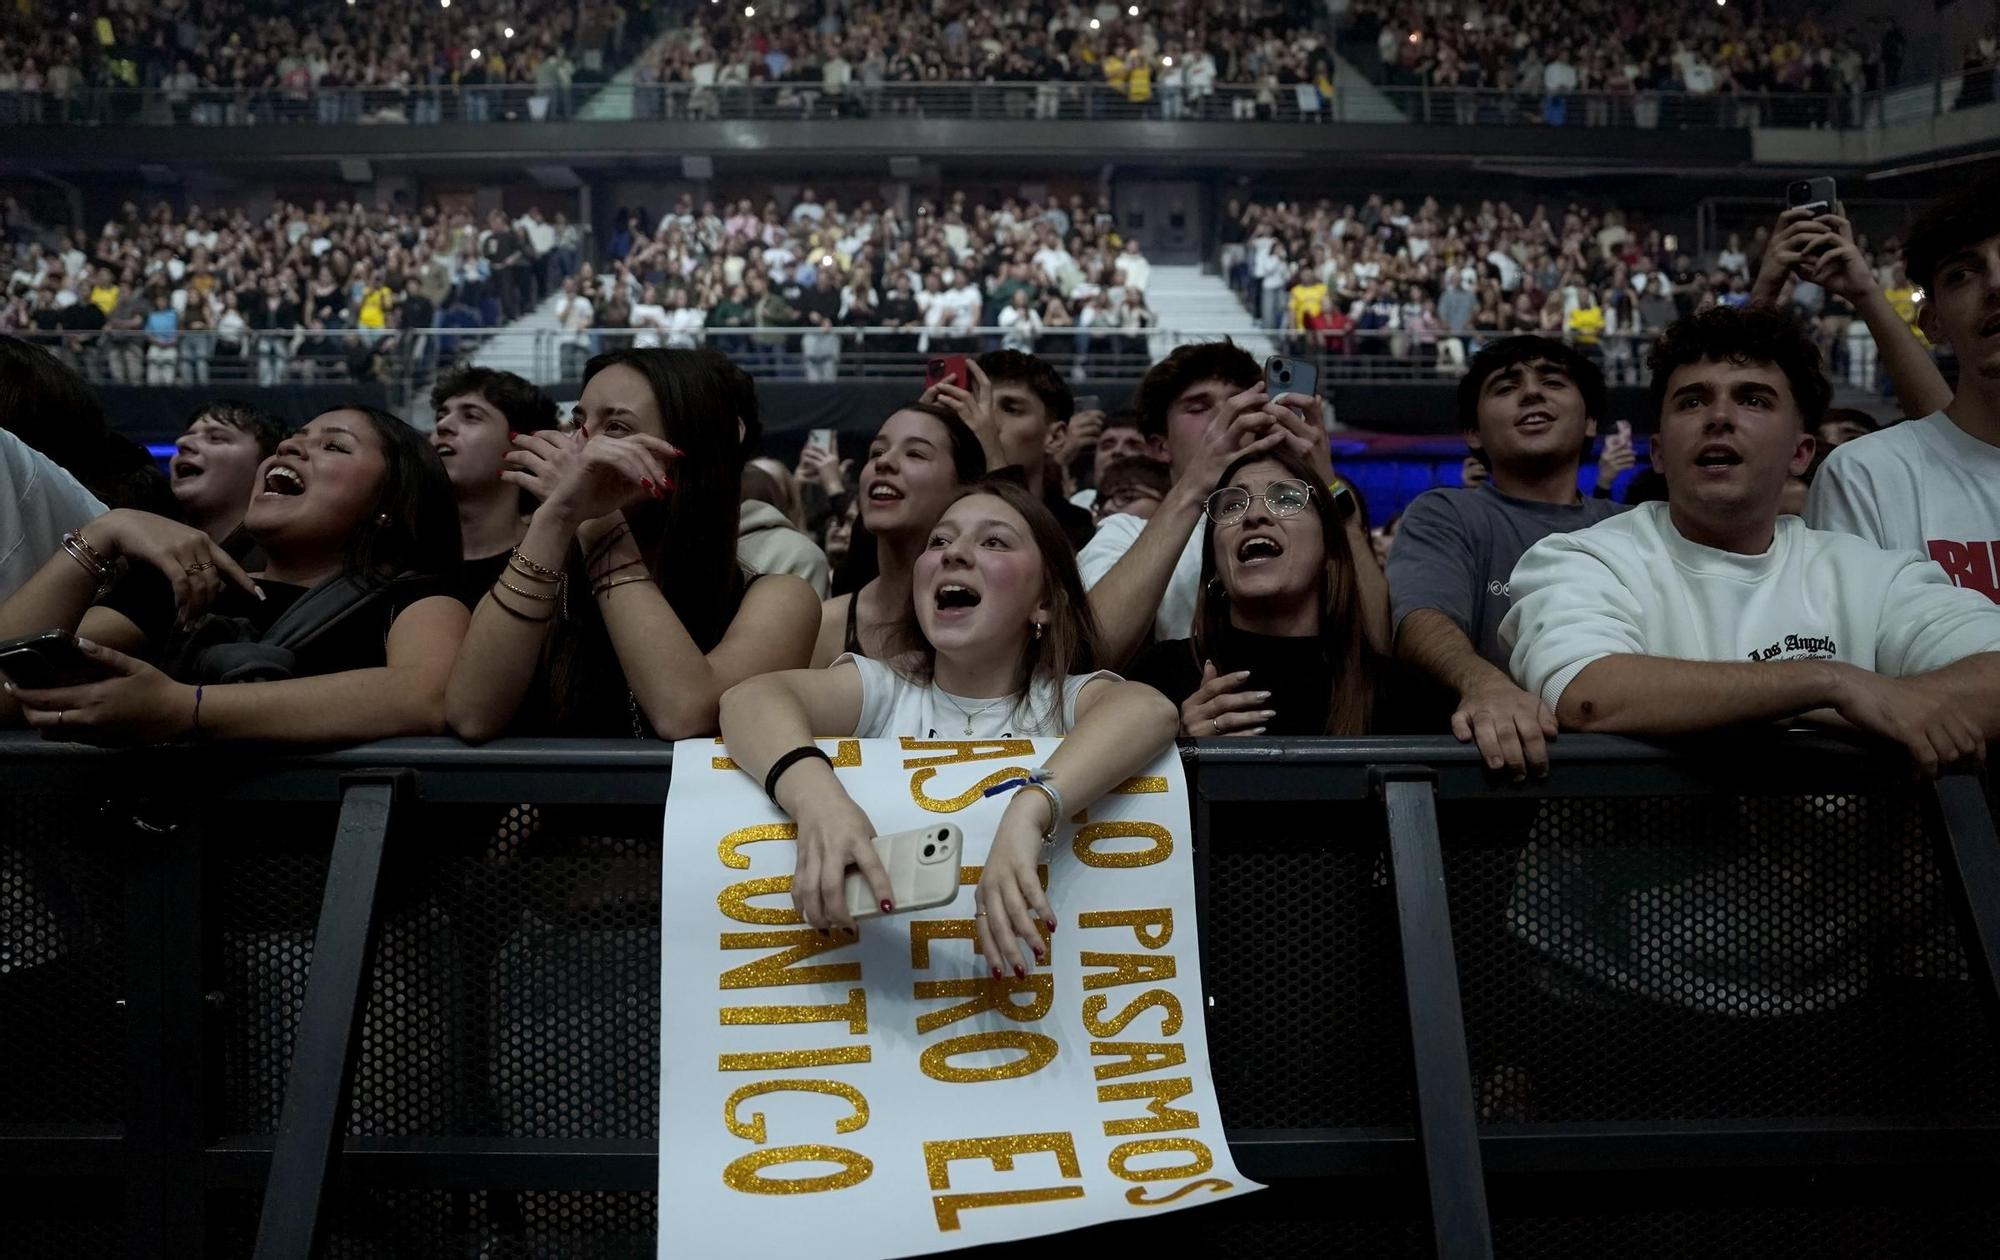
x=998, y=642
x=346, y=633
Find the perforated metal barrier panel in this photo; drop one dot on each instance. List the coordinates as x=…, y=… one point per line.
x=1645, y=961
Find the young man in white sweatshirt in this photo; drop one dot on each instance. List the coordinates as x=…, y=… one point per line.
x=1710, y=610
x=1933, y=485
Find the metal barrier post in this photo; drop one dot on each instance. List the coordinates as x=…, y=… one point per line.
x=1969, y=848
x=314, y=1120
x=1447, y=1124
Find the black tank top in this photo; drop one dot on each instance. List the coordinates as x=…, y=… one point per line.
x=852, y=643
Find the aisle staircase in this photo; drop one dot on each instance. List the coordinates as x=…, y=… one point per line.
x=1190, y=298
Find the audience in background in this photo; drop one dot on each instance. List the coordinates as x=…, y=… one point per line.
x=769, y=534
x=1135, y=486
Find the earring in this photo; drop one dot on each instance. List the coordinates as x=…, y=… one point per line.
x=1039, y=627
x=383, y=519
x=1216, y=588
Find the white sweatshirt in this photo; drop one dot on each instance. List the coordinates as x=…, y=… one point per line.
x=1632, y=585
x=1924, y=485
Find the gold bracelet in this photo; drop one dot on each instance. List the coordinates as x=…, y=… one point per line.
x=547, y=599
x=96, y=557
x=604, y=587
x=77, y=550
x=533, y=569
x=602, y=574
x=527, y=574
x=516, y=613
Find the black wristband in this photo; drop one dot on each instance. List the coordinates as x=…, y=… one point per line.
x=803, y=752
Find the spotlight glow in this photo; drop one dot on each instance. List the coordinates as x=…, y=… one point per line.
x=509, y=32
x=475, y=54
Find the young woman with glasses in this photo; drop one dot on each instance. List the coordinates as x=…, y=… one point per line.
x=998, y=642
x=623, y=611
x=1280, y=646
x=345, y=632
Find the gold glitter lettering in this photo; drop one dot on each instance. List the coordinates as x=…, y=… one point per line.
x=734, y=901
x=750, y=835
x=1163, y=1117
x=779, y=1060
x=743, y=1173
x=753, y=1129
x=1128, y=969
x=1123, y=1154
x=854, y=1010
x=1136, y=1196
x=959, y=751
x=948, y=1206
x=1153, y=928
x=777, y=969
x=987, y=995
x=1087, y=838
x=1037, y=1052
x=1139, y=784
x=924, y=931
x=1139, y=1056
x=846, y=755
x=1093, y=1011
x=1000, y=1152
x=952, y=804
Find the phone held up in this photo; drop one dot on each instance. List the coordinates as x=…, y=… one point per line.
x=52, y=658
x=923, y=871
x=1816, y=195
x=1290, y=376
x=821, y=440
x=948, y=369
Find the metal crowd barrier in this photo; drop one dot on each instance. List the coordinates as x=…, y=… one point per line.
x=1735, y=999
x=1011, y=102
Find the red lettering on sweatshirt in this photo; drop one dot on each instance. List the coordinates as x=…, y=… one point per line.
x=1975, y=565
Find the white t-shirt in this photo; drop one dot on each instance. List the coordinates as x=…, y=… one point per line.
x=1923, y=485
x=1632, y=585
x=892, y=705
x=648, y=319
x=39, y=503
x=1114, y=537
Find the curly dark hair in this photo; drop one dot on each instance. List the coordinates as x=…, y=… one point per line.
x=1948, y=225
x=1500, y=355
x=1728, y=334
x=1191, y=365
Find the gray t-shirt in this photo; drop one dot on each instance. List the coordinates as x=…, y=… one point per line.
x=1456, y=549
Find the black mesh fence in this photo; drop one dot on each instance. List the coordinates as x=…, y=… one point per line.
x=1678, y=959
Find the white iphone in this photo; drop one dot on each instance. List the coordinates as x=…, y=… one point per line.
x=923, y=871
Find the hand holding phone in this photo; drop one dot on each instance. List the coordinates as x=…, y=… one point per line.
x=923, y=867
x=948, y=369
x=1817, y=194
x=39, y=662
x=1290, y=376
x=821, y=439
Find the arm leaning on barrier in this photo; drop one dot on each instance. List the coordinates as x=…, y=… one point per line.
x=1120, y=728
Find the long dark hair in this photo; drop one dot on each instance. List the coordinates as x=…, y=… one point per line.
x=413, y=527
x=46, y=404
x=1070, y=644
x=700, y=406
x=968, y=465
x=1350, y=705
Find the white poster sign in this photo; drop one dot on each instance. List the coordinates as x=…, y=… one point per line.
x=884, y=1096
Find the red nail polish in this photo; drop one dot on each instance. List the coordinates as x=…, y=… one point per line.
x=1020, y=972
x=1052, y=925
x=646, y=484
x=887, y=905
x=513, y=436
x=668, y=483
x=996, y=973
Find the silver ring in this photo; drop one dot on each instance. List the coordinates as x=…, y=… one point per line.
x=1215, y=726
x=59, y=717
x=979, y=914
x=200, y=566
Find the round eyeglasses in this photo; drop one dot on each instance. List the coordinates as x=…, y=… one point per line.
x=1283, y=498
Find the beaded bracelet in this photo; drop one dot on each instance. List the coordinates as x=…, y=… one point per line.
x=547, y=599
x=533, y=569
